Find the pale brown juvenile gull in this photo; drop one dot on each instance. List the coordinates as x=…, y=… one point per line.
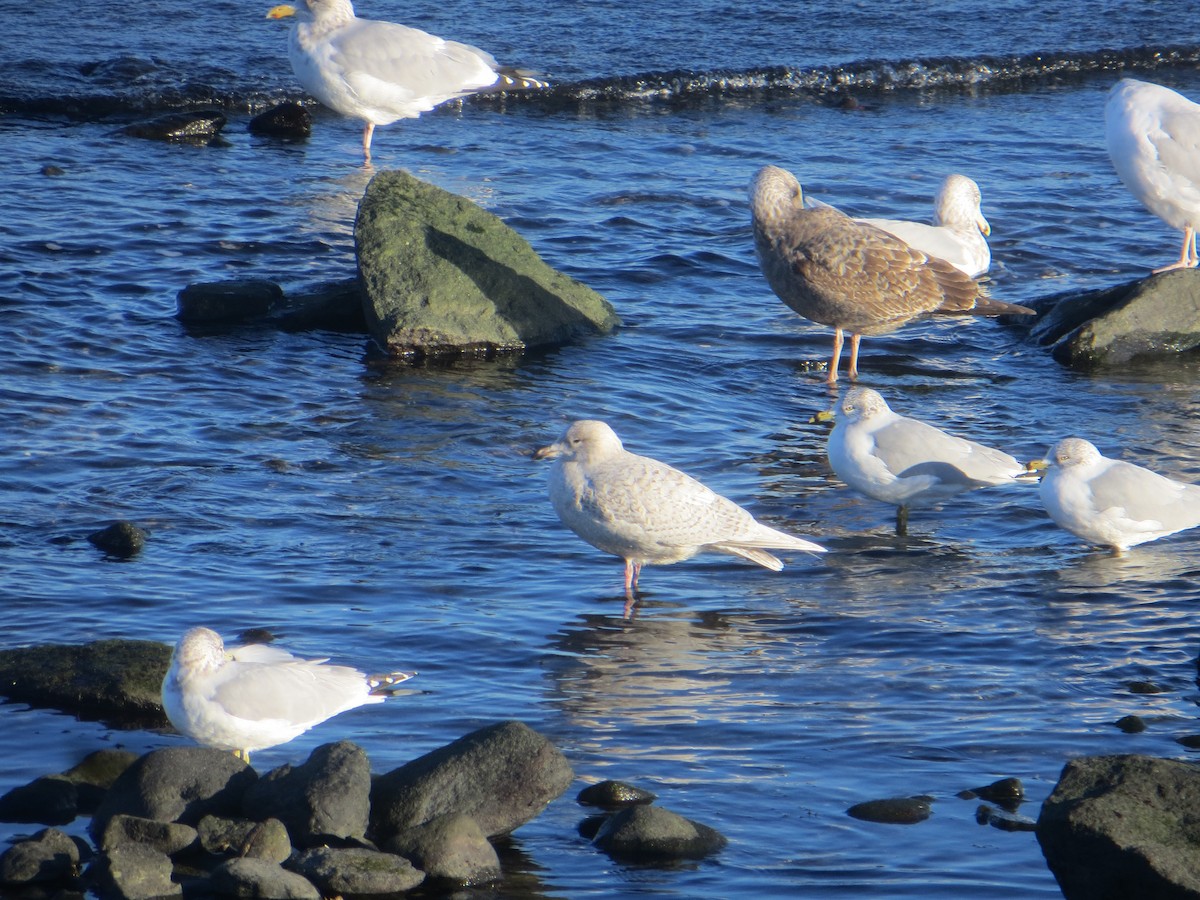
x=647, y=512
x=256, y=696
x=380, y=71
x=850, y=275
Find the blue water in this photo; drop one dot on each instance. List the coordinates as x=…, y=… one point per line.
x=393, y=517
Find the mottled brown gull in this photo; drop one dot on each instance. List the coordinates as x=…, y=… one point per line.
x=380, y=71
x=850, y=275
x=647, y=512
x=255, y=696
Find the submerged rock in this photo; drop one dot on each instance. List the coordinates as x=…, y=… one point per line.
x=226, y=301
x=445, y=278
x=200, y=126
x=121, y=540
x=892, y=811
x=652, y=834
x=287, y=120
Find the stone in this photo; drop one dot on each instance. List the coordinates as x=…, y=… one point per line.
x=95, y=774
x=223, y=302
x=120, y=540
x=450, y=848
x=193, y=126
x=1003, y=820
x=165, y=837
x=1131, y=724
x=1124, y=826
x=502, y=776
x=49, y=800
x=1008, y=793
x=287, y=120
x=259, y=878
x=335, y=306
x=892, y=810
x=177, y=784
x=48, y=856
x=650, y=833
x=267, y=839
x=327, y=796
x=356, y=872
x=445, y=278
x=133, y=872
x=613, y=795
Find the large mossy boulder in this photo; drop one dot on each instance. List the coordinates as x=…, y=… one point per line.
x=443, y=278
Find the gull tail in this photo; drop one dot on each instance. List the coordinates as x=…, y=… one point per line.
x=754, y=547
x=514, y=79
x=385, y=684
x=986, y=306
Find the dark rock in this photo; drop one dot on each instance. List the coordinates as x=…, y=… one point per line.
x=287, y=120
x=177, y=784
x=614, y=795
x=449, y=848
x=1007, y=792
x=337, y=307
x=356, y=873
x=1131, y=724
x=49, y=855
x=590, y=825
x=114, y=681
x=95, y=774
x=52, y=171
x=327, y=796
x=1117, y=827
x=133, y=872
x=1146, y=687
x=1158, y=315
x=502, y=776
x=892, y=811
x=1005, y=821
x=651, y=833
x=444, y=278
x=120, y=540
x=1191, y=741
x=197, y=126
x=259, y=878
x=267, y=839
x=50, y=800
x=165, y=837
x=226, y=301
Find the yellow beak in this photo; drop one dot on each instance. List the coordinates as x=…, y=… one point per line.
x=282, y=11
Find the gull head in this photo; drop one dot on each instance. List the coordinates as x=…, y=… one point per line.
x=775, y=194
x=862, y=404
x=587, y=440
x=199, y=651
x=1071, y=452
x=958, y=204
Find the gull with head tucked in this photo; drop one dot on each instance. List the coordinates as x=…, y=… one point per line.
x=255, y=696
x=647, y=512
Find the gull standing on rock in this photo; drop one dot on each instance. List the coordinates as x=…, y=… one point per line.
x=907, y=462
x=853, y=276
x=1153, y=136
x=255, y=696
x=380, y=71
x=1114, y=503
x=647, y=512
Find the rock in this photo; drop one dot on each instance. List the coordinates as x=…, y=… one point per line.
x=1191, y=741
x=177, y=784
x=165, y=837
x=651, y=833
x=444, y=278
x=613, y=795
x=114, y=681
x=1131, y=724
x=1005, y=821
x=327, y=796
x=287, y=120
x=223, y=302
x=197, y=126
x=241, y=837
x=451, y=848
x=1008, y=793
x=50, y=800
x=133, y=872
x=48, y=856
x=120, y=540
x=1146, y=687
x=1158, y=315
x=502, y=776
x=95, y=774
x=356, y=873
x=259, y=878
x=336, y=306
x=1123, y=826
x=892, y=811
x=53, y=171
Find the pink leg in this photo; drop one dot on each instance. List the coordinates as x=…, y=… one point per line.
x=633, y=571
x=368, y=132
x=838, y=340
x=854, y=339
x=1187, y=256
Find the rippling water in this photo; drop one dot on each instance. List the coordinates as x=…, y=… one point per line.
x=393, y=516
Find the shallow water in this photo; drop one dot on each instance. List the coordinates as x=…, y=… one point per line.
x=393, y=517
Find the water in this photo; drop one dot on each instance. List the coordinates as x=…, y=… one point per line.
x=392, y=516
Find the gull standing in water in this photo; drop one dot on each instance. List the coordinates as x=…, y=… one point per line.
x=380, y=71
x=255, y=696
x=853, y=276
x=1153, y=136
x=648, y=512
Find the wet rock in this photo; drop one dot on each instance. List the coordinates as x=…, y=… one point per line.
x=177, y=784
x=614, y=795
x=53, y=171
x=356, y=872
x=50, y=800
x=267, y=839
x=95, y=774
x=653, y=834
x=259, y=878
x=198, y=126
x=1131, y=724
x=1123, y=826
x=502, y=776
x=1146, y=687
x=444, y=278
x=120, y=540
x=1191, y=741
x=114, y=681
x=1006, y=792
x=1004, y=820
x=49, y=856
x=327, y=796
x=168, y=838
x=226, y=301
x=133, y=872
x=336, y=306
x=589, y=826
x=451, y=848
x=892, y=811
x=287, y=120
x=1156, y=316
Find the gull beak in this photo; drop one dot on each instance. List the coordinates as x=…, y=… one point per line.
x=1037, y=465
x=282, y=11
x=982, y=223
x=550, y=451
x=824, y=417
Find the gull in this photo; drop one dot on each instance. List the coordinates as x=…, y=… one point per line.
x=959, y=229
x=647, y=512
x=853, y=276
x=907, y=462
x=255, y=696
x=380, y=71
x=1114, y=503
x=1153, y=136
